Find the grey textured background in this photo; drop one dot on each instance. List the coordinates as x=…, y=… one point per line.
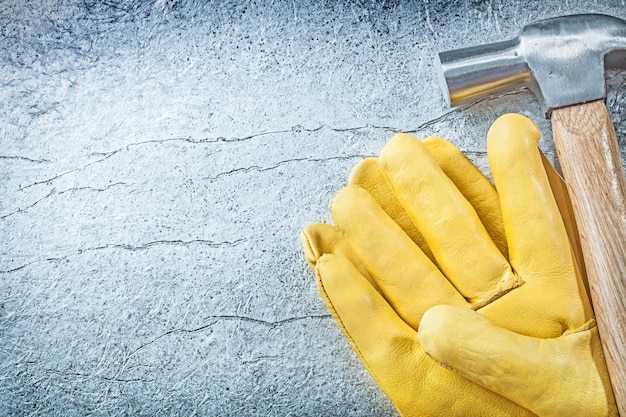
x=157, y=163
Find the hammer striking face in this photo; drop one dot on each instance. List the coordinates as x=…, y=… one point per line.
x=561, y=59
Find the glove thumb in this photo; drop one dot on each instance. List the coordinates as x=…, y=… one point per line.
x=550, y=377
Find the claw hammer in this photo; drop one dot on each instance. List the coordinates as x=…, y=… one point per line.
x=562, y=60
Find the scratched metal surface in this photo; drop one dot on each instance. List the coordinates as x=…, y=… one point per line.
x=157, y=163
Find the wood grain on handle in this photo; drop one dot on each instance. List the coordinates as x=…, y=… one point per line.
x=586, y=144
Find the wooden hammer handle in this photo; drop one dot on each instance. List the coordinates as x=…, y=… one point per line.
x=586, y=144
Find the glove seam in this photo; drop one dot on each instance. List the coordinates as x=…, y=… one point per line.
x=515, y=284
x=586, y=326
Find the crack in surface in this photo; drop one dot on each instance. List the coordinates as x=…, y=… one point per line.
x=92, y=376
x=235, y=139
x=283, y=162
x=214, y=320
x=107, y=155
x=218, y=139
x=226, y=317
x=128, y=247
x=24, y=158
x=222, y=139
x=66, y=173
x=54, y=192
x=294, y=129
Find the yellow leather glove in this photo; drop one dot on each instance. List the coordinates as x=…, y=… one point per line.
x=430, y=231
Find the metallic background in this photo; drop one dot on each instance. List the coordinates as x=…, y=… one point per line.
x=157, y=163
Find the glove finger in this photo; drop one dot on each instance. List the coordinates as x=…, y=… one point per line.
x=464, y=250
x=538, y=243
x=365, y=318
x=474, y=186
x=389, y=349
x=407, y=279
x=368, y=175
x=550, y=377
x=322, y=238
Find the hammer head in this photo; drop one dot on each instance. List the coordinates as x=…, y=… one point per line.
x=561, y=59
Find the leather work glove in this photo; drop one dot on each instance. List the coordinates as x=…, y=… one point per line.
x=460, y=300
